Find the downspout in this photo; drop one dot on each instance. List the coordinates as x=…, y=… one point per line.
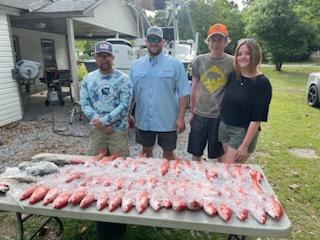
x=21, y=103
x=73, y=60
x=138, y=23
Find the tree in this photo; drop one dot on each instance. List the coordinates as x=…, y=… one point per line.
x=247, y=2
x=204, y=13
x=86, y=47
x=309, y=12
x=274, y=24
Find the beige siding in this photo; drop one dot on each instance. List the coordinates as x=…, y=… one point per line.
x=30, y=48
x=10, y=108
x=111, y=14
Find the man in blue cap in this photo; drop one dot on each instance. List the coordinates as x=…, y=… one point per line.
x=161, y=92
x=105, y=98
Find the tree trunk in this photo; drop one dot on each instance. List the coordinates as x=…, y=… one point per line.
x=278, y=66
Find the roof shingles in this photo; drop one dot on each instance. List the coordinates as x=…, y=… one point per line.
x=48, y=6
x=67, y=6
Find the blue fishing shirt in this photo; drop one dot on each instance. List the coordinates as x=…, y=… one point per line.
x=157, y=85
x=107, y=97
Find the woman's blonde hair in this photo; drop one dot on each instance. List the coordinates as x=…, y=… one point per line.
x=255, y=56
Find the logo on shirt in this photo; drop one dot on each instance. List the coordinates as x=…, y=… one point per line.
x=105, y=90
x=213, y=79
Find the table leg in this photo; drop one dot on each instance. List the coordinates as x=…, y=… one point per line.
x=236, y=237
x=20, y=226
x=39, y=228
x=20, y=221
x=61, y=228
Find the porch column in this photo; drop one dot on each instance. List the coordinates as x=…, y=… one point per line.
x=73, y=60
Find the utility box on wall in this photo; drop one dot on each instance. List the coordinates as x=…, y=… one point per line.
x=168, y=33
x=152, y=4
x=159, y=4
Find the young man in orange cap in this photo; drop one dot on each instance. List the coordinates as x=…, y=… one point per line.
x=209, y=75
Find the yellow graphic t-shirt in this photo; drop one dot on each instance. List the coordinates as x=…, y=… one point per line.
x=213, y=79
x=213, y=75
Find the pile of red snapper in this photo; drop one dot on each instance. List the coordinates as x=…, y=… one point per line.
x=111, y=182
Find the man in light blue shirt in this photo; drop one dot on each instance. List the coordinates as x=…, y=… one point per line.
x=161, y=92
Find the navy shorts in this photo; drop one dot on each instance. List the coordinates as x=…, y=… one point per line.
x=166, y=140
x=204, y=130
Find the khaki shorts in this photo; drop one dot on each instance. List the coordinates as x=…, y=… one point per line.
x=234, y=136
x=116, y=142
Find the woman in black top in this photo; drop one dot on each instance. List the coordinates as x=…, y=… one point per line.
x=245, y=103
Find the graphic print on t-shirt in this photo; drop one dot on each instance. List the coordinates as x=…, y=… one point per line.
x=213, y=79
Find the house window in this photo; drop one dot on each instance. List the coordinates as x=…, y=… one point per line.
x=48, y=53
x=16, y=47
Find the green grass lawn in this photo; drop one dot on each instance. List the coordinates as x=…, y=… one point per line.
x=293, y=124
x=296, y=181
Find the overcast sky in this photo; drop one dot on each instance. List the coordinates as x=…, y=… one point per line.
x=239, y=2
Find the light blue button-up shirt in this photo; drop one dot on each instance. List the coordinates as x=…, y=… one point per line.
x=107, y=97
x=157, y=85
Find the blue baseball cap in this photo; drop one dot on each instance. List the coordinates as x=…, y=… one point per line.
x=103, y=47
x=154, y=30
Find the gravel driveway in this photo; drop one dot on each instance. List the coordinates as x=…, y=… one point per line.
x=52, y=133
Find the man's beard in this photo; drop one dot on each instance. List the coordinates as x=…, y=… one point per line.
x=156, y=53
x=105, y=67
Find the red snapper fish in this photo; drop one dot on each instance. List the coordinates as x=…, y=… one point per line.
x=87, y=200
x=256, y=178
x=73, y=176
x=101, y=154
x=77, y=196
x=164, y=168
x=38, y=194
x=128, y=202
x=102, y=201
x=224, y=212
x=61, y=200
x=115, y=202
x=27, y=193
x=51, y=196
x=210, y=209
x=259, y=213
x=218, y=189
x=142, y=202
x=273, y=207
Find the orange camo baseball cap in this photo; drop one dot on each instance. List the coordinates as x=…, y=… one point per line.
x=218, y=28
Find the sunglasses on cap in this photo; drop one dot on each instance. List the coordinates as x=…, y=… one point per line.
x=154, y=39
x=103, y=55
x=247, y=40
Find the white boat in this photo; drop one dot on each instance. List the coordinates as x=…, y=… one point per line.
x=126, y=52
x=124, y=55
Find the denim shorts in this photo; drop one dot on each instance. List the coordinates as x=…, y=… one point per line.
x=204, y=130
x=234, y=136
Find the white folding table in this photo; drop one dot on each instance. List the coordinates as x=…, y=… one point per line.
x=193, y=220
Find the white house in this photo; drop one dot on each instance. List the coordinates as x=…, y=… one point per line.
x=44, y=31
